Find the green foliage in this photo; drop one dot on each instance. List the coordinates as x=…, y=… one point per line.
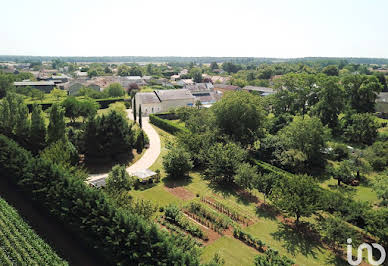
x=250, y=240
x=246, y=176
x=38, y=130
x=361, y=91
x=331, y=101
x=331, y=70
x=72, y=108
x=62, y=152
x=57, y=93
x=298, y=196
x=219, y=222
x=335, y=231
x=380, y=185
x=241, y=116
x=108, y=135
x=123, y=70
x=177, y=163
x=56, y=127
x=343, y=172
x=272, y=258
x=115, y=90
x=166, y=125
x=339, y=151
x=174, y=215
x=119, y=179
x=303, y=141
x=377, y=155
x=20, y=245
x=89, y=214
x=223, y=160
x=196, y=75
x=360, y=128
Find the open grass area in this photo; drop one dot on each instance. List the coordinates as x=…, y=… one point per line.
x=233, y=251
x=362, y=192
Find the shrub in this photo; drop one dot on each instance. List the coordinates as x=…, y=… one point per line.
x=177, y=162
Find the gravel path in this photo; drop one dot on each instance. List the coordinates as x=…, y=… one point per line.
x=150, y=155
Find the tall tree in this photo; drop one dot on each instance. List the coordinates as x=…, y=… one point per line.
x=298, y=196
x=72, y=108
x=38, y=131
x=241, y=116
x=177, y=163
x=134, y=108
x=246, y=176
x=56, y=127
x=119, y=180
x=331, y=100
x=223, y=160
x=361, y=91
x=140, y=117
x=303, y=141
x=360, y=128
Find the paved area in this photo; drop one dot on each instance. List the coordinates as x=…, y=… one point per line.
x=148, y=158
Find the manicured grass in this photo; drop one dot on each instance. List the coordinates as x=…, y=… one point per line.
x=361, y=192
x=158, y=195
x=233, y=251
x=302, y=249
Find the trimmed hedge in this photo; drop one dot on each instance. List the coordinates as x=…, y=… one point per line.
x=120, y=236
x=104, y=103
x=167, y=125
x=267, y=168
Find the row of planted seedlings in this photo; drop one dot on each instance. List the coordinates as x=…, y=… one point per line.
x=174, y=215
x=260, y=246
x=172, y=228
x=233, y=214
x=208, y=217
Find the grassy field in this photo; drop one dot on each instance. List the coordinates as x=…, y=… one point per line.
x=19, y=244
x=303, y=250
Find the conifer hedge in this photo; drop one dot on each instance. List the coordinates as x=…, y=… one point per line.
x=123, y=238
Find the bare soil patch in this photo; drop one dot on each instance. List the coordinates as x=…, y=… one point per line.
x=180, y=192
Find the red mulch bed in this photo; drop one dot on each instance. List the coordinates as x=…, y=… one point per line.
x=180, y=192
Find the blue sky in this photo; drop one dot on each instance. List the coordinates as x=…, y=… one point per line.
x=270, y=28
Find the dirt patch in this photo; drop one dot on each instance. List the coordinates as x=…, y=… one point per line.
x=180, y=192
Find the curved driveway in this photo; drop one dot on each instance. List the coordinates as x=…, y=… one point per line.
x=148, y=158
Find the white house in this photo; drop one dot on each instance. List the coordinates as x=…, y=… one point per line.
x=163, y=100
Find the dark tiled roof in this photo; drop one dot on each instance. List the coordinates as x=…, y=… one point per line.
x=178, y=94
x=148, y=97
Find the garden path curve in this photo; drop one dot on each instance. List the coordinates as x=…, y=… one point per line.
x=148, y=158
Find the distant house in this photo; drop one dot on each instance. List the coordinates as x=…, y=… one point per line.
x=45, y=86
x=204, y=92
x=225, y=88
x=59, y=78
x=263, y=91
x=163, y=100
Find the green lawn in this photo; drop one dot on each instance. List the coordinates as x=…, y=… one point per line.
x=233, y=251
x=362, y=192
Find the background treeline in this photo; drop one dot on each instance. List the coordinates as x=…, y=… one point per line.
x=178, y=59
